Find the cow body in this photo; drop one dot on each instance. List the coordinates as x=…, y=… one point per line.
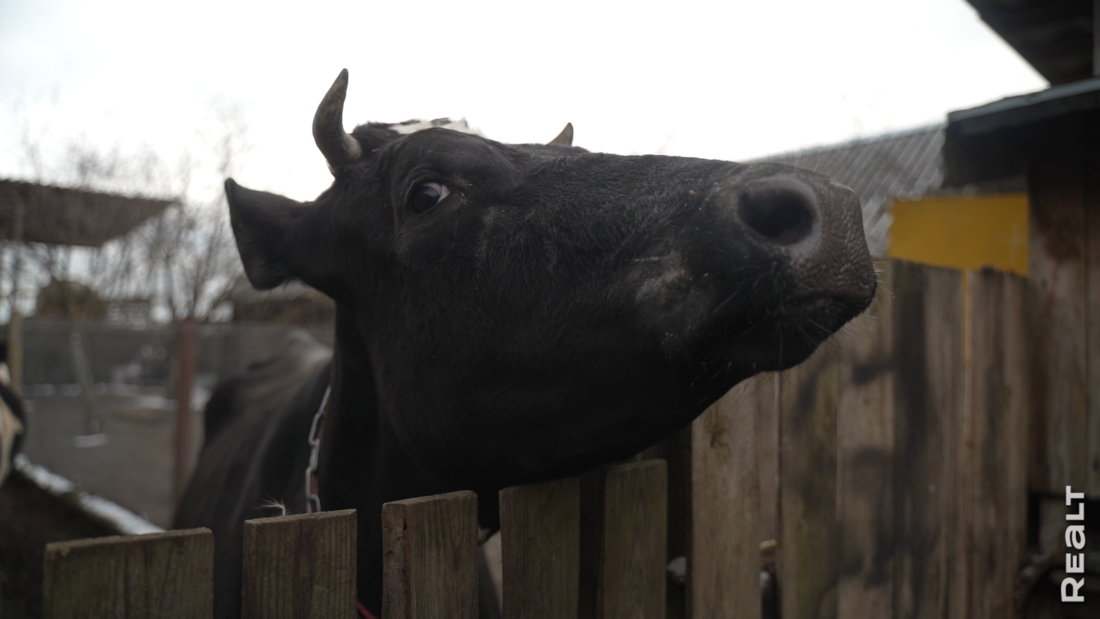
x=510, y=314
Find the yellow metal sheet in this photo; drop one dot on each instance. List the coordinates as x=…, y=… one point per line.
x=962, y=232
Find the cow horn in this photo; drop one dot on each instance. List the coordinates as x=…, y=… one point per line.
x=565, y=138
x=336, y=145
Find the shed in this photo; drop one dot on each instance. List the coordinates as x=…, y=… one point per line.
x=36, y=213
x=1051, y=137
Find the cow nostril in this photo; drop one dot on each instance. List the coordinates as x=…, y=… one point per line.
x=780, y=210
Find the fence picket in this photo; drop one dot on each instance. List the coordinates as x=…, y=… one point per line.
x=635, y=545
x=429, y=549
x=724, y=574
x=809, y=537
x=999, y=406
x=865, y=426
x=929, y=400
x=300, y=566
x=540, y=547
x=169, y=575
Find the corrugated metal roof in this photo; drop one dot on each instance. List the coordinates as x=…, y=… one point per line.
x=63, y=216
x=906, y=164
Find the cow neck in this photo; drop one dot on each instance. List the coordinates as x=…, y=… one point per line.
x=360, y=457
x=350, y=429
x=361, y=463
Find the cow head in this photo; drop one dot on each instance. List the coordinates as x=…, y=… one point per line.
x=531, y=310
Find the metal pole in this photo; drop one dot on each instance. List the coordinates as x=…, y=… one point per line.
x=186, y=354
x=15, y=350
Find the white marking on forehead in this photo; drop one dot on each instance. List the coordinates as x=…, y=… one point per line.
x=412, y=126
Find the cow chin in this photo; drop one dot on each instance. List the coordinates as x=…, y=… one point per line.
x=781, y=338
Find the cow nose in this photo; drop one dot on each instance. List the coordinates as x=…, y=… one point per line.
x=782, y=210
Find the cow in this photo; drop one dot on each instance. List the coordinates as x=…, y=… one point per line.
x=510, y=314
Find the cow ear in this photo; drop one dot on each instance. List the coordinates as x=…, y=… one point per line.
x=264, y=225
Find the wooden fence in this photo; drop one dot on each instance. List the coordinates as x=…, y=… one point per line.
x=886, y=477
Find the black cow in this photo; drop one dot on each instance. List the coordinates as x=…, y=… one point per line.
x=509, y=314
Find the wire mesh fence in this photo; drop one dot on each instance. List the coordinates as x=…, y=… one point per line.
x=103, y=401
x=124, y=356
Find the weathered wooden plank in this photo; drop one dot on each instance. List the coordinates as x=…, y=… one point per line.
x=999, y=401
x=592, y=532
x=865, y=442
x=676, y=452
x=809, y=535
x=167, y=575
x=300, y=566
x=767, y=453
x=1057, y=309
x=429, y=547
x=632, y=580
x=540, y=546
x=959, y=477
x=724, y=561
x=929, y=404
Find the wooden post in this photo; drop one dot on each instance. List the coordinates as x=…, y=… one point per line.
x=723, y=577
x=1058, y=172
x=540, y=546
x=635, y=552
x=168, y=575
x=300, y=566
x=186, y=344
x=429, y=550
x=865, y=427
x=809, y=536
x=999, y=403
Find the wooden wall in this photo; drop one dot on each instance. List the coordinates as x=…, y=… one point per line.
x=888, y=475
x=898, y=465
x=1064, y=306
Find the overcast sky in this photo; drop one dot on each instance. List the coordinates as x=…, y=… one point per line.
x=729, y=80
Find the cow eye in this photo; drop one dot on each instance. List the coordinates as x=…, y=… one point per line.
x=427, y=195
